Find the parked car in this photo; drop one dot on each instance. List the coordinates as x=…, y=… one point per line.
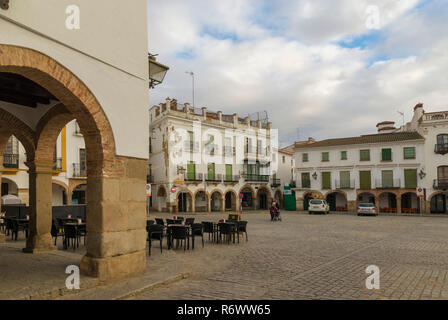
x=367, y=209
x=318, y=206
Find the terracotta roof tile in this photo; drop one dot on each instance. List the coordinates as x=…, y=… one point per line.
x=371, y=138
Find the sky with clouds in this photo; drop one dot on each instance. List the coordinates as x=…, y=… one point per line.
x=320, y=68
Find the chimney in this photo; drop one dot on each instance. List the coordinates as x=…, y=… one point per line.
x=204, y=113
x=220, y=116
x=168, y=103
x=311, y=140
x=235, y=119
x=418, y=112
x=386, y=127
x=187, y=108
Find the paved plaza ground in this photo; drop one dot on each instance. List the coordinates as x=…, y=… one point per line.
x=302, y=257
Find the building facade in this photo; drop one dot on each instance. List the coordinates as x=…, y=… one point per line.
x=202, y=161
x=69, y=172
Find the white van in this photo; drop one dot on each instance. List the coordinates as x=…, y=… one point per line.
x=318, y=206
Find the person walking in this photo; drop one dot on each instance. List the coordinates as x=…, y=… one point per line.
x=273, y=210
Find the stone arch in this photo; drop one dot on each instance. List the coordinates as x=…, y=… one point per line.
x=388, y=202
x=437, y=202
x=230, y=199
x=263, y=198
x=62, y=184
x=248, y=203
x=11, y=182
x=366, y=196
x=11, y=125
x=216, y=203
x=186, y=204
x=73, y=94
x=248, y=186
x=409, y=202
x=113, y=250
x=201, y=205
x=337, y=203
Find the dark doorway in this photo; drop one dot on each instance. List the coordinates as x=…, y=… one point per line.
x=331, y=200
x=438, y=203
x=262, y=199
x=5, y=189
x=228, y=201
x=182, y=202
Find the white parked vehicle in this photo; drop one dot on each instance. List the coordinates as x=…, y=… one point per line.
x=318, y=206
x=365, y=209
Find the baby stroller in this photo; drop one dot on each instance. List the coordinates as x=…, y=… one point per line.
x=277, y=216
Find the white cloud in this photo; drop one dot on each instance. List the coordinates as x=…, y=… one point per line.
x=285, y=60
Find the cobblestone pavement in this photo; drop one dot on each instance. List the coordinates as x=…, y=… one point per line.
x=319, y=257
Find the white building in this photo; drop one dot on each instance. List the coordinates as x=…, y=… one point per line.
x=202, y=161
x=69, y=171
x=383, y=168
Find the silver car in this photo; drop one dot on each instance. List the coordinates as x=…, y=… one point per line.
x=367, y=209
x=318, y=206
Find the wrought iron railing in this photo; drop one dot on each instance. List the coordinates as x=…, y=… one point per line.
x=345, y=184
x=256, y=177
x=79, y=170
x=441, y=148
x=276, y=182
x=11, y=160
x=441, y=183
x=231, y=178
x=387, y=183
x=193, y=176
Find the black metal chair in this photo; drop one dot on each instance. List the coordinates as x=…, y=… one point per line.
x=160, y=221
x=197, y=229
x=180, y=233
x=149, y=223
x=15, y=227
x=180, y=218
x=242, y=227
x=70, y=237
x=227, y=230
x=189, y=221
x=56, y=231
x=209, y=228
x=81, y=231
x=155, y=232
x=171, y=221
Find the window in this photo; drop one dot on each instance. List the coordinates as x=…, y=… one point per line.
x=191, y=168
x=442, y=139
x=344, y=177
x=211, y=171
x=409, y=152
x=326, y=180
x=343, y=155
x=228, y=172
x=364, y=180
x=283, y=159
x=410, y=178
x=387, y=179
x=325, y=156
x=386, y=154
x=150, y=145
x=364, y=155
x=304, y=157
x=306, y=181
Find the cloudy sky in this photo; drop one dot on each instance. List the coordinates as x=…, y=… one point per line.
x=320, y=68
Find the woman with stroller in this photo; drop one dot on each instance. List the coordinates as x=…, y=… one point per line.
x=274, y=211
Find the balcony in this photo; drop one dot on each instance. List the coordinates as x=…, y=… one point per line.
x=387, y=183
x=256, y=177
x=276, y=183
x=441, y=148
x=193, y=176
x=231, y=178
x=345, y=184
x=149, y=178
x=213, y=178
x=440, y=184
x=79, y=170
x=57, y=164
x=11, y=161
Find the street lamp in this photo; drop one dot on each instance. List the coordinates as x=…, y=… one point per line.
x=192, y=77
x=157, y=71
x=314, y=175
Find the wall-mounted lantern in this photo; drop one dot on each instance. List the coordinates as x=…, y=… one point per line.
x=422, y=174
x=314, y=175
x=157, y=71
x=4, y=4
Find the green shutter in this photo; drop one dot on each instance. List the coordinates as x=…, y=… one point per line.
x=343, y=155
x=211, y=171
x=228, y=172
x=325, y=156
x=409, y=152
x=365, y=180
x=305, y=157
x=410, y=178
x=306, y=183
x=326, y=180
x=364, y=155
x=190, y=170
x=386, y=154
x=344, y=177
x=387, y=178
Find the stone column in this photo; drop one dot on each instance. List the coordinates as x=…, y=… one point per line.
x=116, y=221
x=223, y=204
x=399, y=204
x=351, y=206
x=209, y=207
x=40, y=198
x=299, y=204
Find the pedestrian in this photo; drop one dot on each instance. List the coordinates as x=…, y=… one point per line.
x=273, y=210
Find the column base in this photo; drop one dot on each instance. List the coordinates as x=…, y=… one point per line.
x=114, y=267
x=351, y=206
x=39, y=244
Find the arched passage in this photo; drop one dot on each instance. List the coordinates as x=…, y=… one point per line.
x=59, y=193
x=113, y=250
x=9, y=187
x=366, y=197
x=264, y=198
x=201, y=201
x=184, y=201
x=161, y=198
x=248, y=201
x=337, y=200
x=230, y=200
x=216, y=201
x=307, y=196
x=387, y=202
x=410, y=203
x=438, y=202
